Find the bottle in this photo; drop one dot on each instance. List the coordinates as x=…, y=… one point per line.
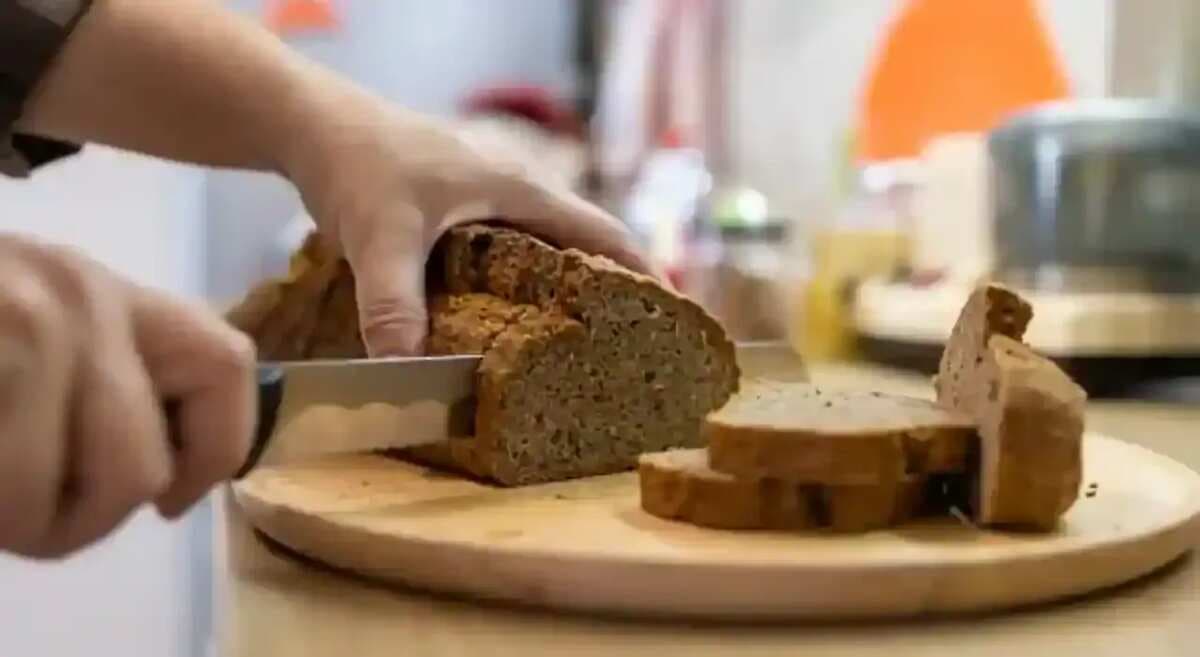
x=665, y=199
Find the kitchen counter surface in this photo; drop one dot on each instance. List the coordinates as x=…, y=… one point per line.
x=270, y=604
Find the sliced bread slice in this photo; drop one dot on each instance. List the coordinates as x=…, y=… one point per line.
x=679, y=485
x=1031, y=422
x=992, y=309
x=799, y=432
x=1029, y=414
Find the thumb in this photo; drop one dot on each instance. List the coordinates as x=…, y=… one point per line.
x=390, y=289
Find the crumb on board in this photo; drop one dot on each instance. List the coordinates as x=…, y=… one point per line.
x=960, y=516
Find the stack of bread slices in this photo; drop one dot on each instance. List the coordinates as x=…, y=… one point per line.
x=1001, y=443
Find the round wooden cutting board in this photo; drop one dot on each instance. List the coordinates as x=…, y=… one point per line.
x=587, y=545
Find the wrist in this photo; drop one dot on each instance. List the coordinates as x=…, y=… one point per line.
x=323, y=118
x=338, y=146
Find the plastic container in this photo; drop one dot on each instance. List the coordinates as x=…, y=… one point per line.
x=867, y=238
x=665, y=201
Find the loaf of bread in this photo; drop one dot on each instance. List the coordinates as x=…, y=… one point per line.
x=1028, y=411
x=585, y=364
x=801, y=433
x=678, y=484
x=309, y=313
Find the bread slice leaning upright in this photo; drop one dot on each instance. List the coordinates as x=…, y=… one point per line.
x=1028, y=411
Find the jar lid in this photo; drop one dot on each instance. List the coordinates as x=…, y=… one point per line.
x=770, y=230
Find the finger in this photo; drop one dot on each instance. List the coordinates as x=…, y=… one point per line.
x=120, y=457
x=389, y=273
x=35, y=365
x=570, y=221
x=207, y=367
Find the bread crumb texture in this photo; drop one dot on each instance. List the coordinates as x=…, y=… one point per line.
x=585, y=364
x=807, y=434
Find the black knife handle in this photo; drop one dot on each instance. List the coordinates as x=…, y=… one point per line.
x=270, y=395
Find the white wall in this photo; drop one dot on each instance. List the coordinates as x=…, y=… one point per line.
x=1154, y=50
x=143, y=217
x=133, y=594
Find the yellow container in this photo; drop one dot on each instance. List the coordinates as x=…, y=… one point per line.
x=822, y=323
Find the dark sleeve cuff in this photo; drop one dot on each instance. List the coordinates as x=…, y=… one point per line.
x=31, y=34
x=23, y=153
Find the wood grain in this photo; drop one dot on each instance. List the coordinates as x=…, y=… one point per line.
x=586, y=545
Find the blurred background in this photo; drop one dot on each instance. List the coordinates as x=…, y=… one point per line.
x=834, y=174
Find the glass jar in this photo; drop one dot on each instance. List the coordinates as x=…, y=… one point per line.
x=867, y=237
x=739, y=273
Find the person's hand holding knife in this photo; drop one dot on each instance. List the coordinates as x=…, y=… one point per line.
x=88, y=357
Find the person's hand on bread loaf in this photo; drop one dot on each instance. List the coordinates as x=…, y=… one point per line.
x=191, y=81
x=387, y=184
x=89, y=355
x=85, y=360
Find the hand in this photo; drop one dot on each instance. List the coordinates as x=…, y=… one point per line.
x=86, y=359
x=192, y=81
x=385, y=184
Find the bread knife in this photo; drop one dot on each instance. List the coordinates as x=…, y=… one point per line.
x=436, y=391
x=435, y=395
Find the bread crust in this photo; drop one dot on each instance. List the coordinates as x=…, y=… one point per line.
x=680, y=485
x=585, y=364
x=1032, y=440
x=1030, y=414
x=777, y=431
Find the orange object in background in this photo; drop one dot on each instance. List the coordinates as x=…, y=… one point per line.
x=291, y=16
x=950, y=66
x=942, y=67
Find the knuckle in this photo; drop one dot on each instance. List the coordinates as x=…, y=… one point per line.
x=73, y=275
x=513, y=171
x=234, y=354
x=149, y=480
x=390, y=313
x=30, y=309
x=393, y=328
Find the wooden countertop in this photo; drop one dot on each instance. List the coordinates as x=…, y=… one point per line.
x=275, y=605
